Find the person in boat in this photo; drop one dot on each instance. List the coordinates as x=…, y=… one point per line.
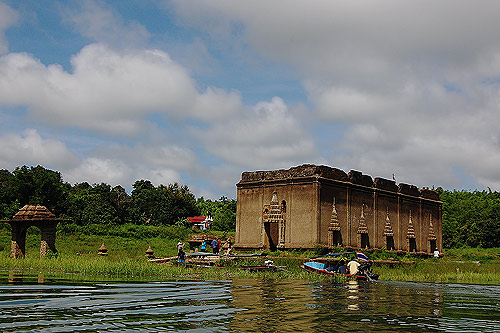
x=353, y=267
x=342, y=267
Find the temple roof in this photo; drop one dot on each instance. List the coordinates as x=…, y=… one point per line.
x=326, y=172
x=34, y=212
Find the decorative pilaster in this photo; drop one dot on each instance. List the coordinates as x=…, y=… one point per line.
x=362, y=228
x=410, y=236
x=431, y=242
x=388, y=231
x=334, y=227
x=432, y=235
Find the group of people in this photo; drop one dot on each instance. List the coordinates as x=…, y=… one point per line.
x=215, y=244
x=352, y=267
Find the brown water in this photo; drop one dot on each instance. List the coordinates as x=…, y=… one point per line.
x=37, y=304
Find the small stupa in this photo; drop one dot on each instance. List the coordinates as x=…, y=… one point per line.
x=149, y=252
x=103, y=250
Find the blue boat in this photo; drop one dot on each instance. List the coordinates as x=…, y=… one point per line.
x=363, y=273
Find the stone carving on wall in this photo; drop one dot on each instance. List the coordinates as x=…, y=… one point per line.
x=388, y=233
x=410, y=236
x=275, y=213
x=334, y=235
x=362, y=232
x=432, y=237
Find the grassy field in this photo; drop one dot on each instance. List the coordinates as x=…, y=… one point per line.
x=78, y=259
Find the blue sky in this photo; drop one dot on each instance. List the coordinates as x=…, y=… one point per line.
x=200, y=91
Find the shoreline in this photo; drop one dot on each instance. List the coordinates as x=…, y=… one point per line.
x=97, y=268
x=126, y=259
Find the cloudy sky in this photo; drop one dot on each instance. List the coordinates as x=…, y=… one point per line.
x=198, y=91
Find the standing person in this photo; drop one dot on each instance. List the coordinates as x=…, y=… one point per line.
x=180, y=245
x=181, y=255
x=203, y=247
x=214, y=246
x=229, y=246
x=219, y=245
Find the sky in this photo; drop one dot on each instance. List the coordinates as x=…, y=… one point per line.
x=199, y=91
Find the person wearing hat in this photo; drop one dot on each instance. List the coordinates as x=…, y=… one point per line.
x=180, y=252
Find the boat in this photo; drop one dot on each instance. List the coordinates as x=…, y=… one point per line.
x=321, y=268
x=363, y=273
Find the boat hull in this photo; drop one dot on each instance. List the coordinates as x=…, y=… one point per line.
x=320, y=268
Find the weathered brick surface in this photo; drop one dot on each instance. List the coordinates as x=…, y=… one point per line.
x=363, y=207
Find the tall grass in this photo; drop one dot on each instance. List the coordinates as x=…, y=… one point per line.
x=444, y=271
x=77, y=258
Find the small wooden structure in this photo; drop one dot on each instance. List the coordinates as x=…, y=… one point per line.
x=103, y=250
x=150, y=252
x=40, y=217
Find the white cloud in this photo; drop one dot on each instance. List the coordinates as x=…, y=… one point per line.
x=267, y=136
x=157, y=155
x=96, y=20
x=108, y=91
x=95, y=170
x=31, y=149
x=8, y=17
x=118, y=164
x=416, y=84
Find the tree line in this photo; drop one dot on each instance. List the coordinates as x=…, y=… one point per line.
x=471, y=218
x=102, y=204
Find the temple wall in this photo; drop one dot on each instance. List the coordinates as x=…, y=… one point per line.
x=363, y=205
x=303, y=209
x=249, y=209
x=329, y=192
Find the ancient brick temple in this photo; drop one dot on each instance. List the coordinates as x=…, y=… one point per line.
x=40, y=217
x=309, y=206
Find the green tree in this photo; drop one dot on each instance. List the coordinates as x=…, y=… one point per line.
x=162, y=204
x=223, y=212
x=92, y=205
x=40, y=186
x=9, y=204
x=471, y=218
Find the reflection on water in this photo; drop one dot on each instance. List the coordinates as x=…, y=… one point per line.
x=38, y=304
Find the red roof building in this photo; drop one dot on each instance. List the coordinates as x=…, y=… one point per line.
x=201, y=222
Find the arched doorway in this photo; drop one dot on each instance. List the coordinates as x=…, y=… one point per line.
x=37, y=216
x=273, y=218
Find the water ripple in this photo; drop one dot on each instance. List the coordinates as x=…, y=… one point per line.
x=249, y=306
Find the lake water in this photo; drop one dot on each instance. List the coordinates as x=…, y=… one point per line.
x=38, y=304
